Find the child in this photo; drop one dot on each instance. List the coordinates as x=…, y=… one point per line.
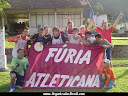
x=74, y=38
x=18, y=65
x=106, y=77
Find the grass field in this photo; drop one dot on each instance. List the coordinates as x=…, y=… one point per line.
x=121, y=74
x=120, y=42
x=119, y=37
x=8, y=44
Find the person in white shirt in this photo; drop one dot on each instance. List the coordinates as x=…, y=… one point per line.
x=57, y=38
x=74, y=38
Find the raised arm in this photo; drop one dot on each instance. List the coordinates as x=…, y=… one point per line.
x=117, y=20
x=90, y=24
x=91, y=21
x=94, y=24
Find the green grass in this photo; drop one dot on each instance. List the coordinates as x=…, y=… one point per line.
x=121, y=74
x=8, y=64
x=120, y=61
x=8, y=44
x=119, y=37
x=120, y=42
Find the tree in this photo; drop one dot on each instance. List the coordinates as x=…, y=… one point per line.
x=3, y=4
x=98, y=8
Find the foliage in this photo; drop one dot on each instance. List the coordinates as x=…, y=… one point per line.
x=4, y=4
x=115, y=30
x=99, y=8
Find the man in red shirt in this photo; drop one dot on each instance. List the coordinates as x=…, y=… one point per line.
x=70, y=26
x=82, y=27
x=106, y=32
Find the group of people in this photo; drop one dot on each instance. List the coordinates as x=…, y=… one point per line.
x=70, y=35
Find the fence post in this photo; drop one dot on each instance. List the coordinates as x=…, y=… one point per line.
x=3, y=60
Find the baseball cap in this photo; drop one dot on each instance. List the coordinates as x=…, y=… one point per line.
x=82, y=26
x=106, y=61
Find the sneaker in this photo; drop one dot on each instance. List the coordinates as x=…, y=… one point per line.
x=11, y=90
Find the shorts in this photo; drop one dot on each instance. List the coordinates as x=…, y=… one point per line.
x=20, y=79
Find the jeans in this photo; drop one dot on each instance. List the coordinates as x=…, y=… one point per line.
x=108, y=53
x=110, y=84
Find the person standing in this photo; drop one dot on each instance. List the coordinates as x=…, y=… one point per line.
x=83, y=30
x=69, y=27
x=106, y=32
x=74, y=38
x=88, y=39
x=46, y=36
x=37, y=37
x=20, y=42
x=102, y=42
x=57, y=37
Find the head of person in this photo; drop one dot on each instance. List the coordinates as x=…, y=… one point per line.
x=41, y=32
x=70, y=25
x=21, y=52
x=46, y=30
x=82, y=28
x=104, y=25
x=25, y=31
x=56, y=31
x=88, y=34
x=106, y=63
x=75, y=31
x=98, y=38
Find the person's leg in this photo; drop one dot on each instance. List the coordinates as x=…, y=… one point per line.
x=20, y=81
x=20, y=87
x=108, y=53
x=102, y=82
x=110, y=84
x=13, y=76
x=12, y=81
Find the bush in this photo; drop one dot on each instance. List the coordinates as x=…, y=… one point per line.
x=115, y=30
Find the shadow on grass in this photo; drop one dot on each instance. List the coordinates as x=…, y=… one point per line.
x=122, y=75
